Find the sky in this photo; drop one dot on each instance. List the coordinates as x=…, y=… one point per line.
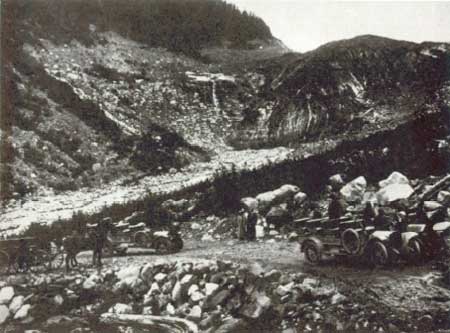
x=305, y=25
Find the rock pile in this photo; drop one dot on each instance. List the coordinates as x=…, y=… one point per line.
x=218, y=296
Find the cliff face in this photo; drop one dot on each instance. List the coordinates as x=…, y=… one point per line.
x=362, y=83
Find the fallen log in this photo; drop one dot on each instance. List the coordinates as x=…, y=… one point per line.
x=432, y=190
x=170, y=323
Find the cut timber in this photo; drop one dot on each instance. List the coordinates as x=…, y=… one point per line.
x=175, y=324
x=434, y=189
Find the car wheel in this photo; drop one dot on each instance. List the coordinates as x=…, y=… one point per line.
x=163, y=245
x=351, y=242
x=414, y=249
x=312, y=253
x=141, y=239
x=378, y=254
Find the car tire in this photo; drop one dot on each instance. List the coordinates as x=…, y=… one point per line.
x=351, y=241
x=313, y=253
x=378, y=254
x=415, y=251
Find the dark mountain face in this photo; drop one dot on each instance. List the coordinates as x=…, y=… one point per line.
x=350, y=85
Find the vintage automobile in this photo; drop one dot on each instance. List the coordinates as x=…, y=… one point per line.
x=347, y=236
x=430, y=245
x=163, y=241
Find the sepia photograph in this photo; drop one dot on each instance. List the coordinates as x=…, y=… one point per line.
x=224, y=166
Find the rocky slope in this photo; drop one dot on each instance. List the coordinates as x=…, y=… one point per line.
x=92, y=102
x=352, y=85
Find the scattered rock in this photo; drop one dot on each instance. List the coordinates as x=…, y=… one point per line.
x=16, y=304
x=121, y=308
x=293, y=237
x=394, y=178
x=6, y=294
x=4, y=313
x=354, y=191
x=195, y=314
x=195, y=226
x=394, y=192
x=299, y=198
x=277, y=196
x=338, y=298
x=258, y=305
x=160, y=277
x=207, y=238
x=432, y=205
x=336, y=182
x=22, y=313
x=444, y=198
x=250, y=203
x=272, y=276
x=210, y=288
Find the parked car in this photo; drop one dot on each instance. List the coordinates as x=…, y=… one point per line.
x=348, y=237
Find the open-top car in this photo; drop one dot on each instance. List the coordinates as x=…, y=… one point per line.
x=163, y=241
x=347, y=236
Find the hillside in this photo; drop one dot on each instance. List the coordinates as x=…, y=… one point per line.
x=95, y=99
x=349, y=86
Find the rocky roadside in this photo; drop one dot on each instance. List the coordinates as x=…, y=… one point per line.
x=212, y=296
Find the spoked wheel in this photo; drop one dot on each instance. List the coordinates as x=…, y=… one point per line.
x=351, y=241
x=141, y=239
x=312, y=253
x=414, y=249
x=177, y=244
x=39, y=261
x=378, y=254
x=108, y=249
x=163, y=245
x=4, y=263
x=57, y=260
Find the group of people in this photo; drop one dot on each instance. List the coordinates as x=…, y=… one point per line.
x=247, y=220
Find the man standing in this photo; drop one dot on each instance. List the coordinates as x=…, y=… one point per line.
x=251, y=225
x=368, y=214
x=336, y=208
x=241, y=224
x=100, y=238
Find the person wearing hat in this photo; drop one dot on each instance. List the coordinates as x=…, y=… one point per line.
x=100, y=238
x=252, y=219
x=336, y=208
x=242, y=224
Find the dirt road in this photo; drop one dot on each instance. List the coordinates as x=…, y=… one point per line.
x=405, y=288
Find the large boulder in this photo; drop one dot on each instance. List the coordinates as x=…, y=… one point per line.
x=444, y=198
x=280, y=195
x=432, y=205
x=394, y=192
x=336, y=182
x=299, y=198
x=6, y=295
x=250, y=203
x=16, y=304
x=394, y=178
x=4, y=313
x=121, y=308
x=354, y=191
x=22, y=313
x=257, y=306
